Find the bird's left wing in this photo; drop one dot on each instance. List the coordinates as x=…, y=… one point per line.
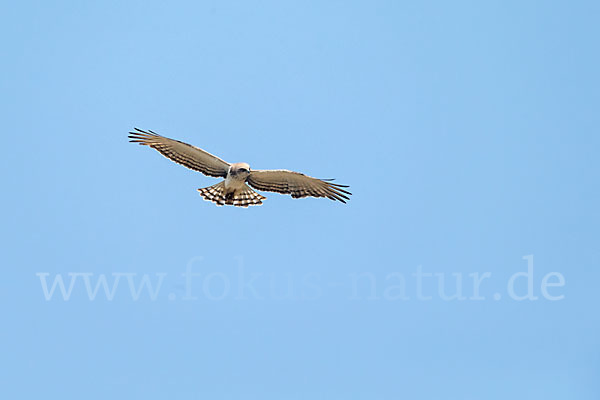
x=182, y=153
x=296, y=184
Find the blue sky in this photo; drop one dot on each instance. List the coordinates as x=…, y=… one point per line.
x=468, y=132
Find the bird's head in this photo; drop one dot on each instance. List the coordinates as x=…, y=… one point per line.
x=240, y=169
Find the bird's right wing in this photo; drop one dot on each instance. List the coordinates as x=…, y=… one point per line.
x=182, y=153
x=297, y=184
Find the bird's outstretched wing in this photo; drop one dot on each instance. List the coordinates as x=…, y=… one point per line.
x=182, y=153
x=296, y=184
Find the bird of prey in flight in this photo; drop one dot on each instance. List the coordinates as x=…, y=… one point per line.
x=234, y=189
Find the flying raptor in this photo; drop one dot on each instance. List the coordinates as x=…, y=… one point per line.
x=234, y=189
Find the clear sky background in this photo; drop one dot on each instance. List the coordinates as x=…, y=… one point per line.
x=467, y=130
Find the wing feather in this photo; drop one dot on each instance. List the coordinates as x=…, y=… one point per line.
x=297, y=184
x=182, y=153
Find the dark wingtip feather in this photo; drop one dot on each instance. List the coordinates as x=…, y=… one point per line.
x=334, y=184
x=343, y=191
x=140, y=136
x=136, y=138
x=143, y=132
x=338, y=198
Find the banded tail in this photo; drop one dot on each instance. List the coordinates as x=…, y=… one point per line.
x=243, y=197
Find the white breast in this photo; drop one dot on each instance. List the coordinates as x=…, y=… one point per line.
x=232, y=183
